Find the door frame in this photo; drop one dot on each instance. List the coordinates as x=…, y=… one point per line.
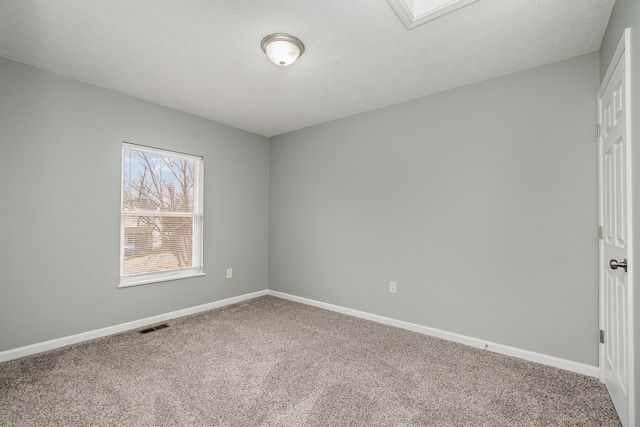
x=623, y=49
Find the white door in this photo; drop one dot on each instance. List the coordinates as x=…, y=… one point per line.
x=616, y=356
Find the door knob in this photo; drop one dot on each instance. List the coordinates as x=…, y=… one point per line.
x=615, y=264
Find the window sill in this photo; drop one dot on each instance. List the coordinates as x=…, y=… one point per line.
x=146, y=279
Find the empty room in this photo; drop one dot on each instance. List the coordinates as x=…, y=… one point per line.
x=319, y=213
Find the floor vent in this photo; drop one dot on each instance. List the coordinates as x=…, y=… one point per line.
x=154, y=328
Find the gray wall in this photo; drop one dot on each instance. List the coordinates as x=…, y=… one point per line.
x=626, y=14
x=60, y=150
x=481, y=202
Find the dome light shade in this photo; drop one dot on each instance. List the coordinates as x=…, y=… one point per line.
x=282, y=49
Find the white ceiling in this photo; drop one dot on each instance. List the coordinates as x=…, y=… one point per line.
x=203, y=56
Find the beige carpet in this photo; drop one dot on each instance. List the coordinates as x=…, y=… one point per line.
x=272, y=362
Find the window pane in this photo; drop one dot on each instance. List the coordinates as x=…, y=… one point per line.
x=161, y=222
x=157, y=183
x=155, y=244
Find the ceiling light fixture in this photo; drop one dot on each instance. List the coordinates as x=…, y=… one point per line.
x=282, y=49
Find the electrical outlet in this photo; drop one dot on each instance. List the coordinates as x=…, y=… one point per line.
x=229, y=273
x=393, y=288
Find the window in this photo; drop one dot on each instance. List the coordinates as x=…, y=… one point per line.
x=161, y=215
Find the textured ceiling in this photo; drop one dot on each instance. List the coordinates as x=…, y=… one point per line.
x=203, y=56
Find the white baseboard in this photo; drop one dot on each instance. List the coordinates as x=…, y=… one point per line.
x=462, y=339
x=97, y=333
x=531, y=356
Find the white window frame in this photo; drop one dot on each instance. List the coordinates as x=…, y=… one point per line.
x=198, y=244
